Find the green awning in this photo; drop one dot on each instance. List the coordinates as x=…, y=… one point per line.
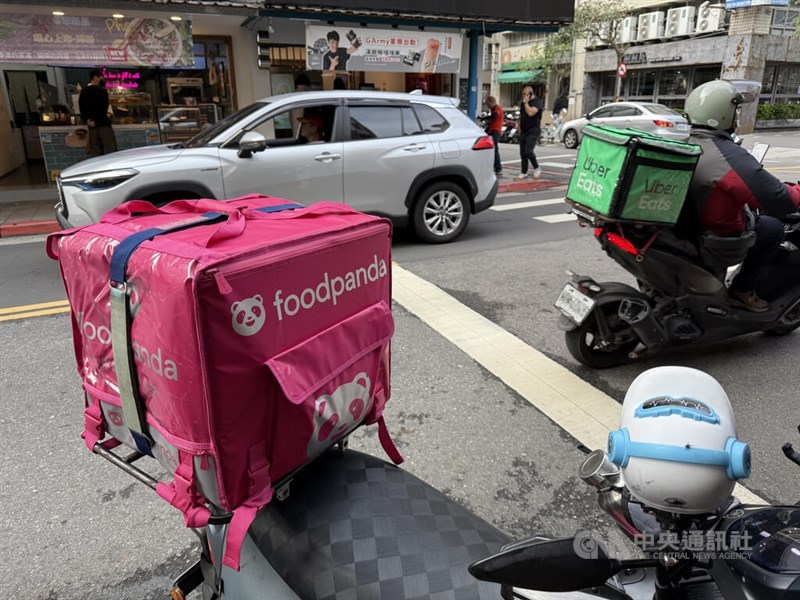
x=520, y=76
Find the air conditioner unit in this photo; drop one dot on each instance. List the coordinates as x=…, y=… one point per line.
x=626, y=30
x=602, y=35
x=651, y=26
x=708, y=19
x=680, y=21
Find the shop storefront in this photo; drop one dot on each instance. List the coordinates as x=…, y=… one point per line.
x=399, y=59
x=164, y=83
x=518, y=68
x=400, y=45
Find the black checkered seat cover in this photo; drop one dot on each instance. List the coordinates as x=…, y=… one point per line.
x=356, y=528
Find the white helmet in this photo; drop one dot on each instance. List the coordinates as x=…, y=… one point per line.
x=677, y=443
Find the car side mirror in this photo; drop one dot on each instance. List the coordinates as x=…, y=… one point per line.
x=251, y=142
x=587, y=116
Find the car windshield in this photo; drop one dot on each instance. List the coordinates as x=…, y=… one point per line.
x=205, y=136
x=660, y=109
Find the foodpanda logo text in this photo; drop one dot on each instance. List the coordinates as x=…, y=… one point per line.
x=153, y=361
x=329, y=289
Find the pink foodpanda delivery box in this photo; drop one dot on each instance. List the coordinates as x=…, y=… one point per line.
x=233, y=341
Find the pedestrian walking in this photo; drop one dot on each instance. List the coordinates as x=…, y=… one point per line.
x=530, y=123
x=494, y=128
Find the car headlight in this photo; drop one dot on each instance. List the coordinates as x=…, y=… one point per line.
x=100, y=181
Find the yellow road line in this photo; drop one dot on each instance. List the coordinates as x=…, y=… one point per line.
x=35, y=313
x=33, y=307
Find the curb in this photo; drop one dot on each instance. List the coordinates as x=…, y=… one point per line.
x=526, y=186
x=29, y=228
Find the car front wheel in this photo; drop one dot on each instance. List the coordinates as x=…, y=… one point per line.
x=571, y=139
x=441, y=213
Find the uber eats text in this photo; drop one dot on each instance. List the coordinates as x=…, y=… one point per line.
x=592, y=170
x=329, y=289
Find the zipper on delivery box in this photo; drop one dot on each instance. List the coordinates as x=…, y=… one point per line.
x=246, y=261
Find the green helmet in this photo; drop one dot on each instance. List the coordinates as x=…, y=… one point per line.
x=716, y=103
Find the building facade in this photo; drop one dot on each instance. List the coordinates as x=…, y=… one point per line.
x=673, y=48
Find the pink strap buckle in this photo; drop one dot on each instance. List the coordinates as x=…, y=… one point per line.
x=182, y=494
x=94, y=428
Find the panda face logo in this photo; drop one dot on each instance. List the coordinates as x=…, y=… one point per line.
x=248, y=315
x=339, y=413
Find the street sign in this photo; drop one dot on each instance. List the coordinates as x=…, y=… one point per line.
x=622, y=69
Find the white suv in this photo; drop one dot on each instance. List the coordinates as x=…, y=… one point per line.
x=415, y=159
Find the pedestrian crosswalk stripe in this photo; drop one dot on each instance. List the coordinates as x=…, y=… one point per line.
x=509, y=194
x=560, y=165
x=529, y=204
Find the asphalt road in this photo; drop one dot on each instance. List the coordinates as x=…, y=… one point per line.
x=76, y=528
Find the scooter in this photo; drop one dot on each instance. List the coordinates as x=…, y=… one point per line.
x=766, y=568
x=349, y=525
x=682, y=297
x=352, y=525
x=509, y=134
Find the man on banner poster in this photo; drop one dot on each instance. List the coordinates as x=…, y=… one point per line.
x=335, y=59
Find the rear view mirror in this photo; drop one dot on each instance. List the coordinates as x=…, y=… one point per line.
x=549, y=566
x=251, y=141
x=759, y=151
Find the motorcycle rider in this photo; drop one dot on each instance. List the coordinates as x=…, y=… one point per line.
x=728, y=180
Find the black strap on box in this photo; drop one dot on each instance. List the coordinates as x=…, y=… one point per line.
x=133, y=408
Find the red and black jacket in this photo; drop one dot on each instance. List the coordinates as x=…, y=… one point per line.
x=727, y=179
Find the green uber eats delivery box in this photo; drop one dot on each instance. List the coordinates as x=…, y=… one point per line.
x=631, y=175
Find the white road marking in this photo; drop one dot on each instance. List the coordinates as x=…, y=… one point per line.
x=560, y=165
x=23, y=239
x=509, y=194
x=542, y=156
x=529, y=204
x=560, y=218
x=580, y=409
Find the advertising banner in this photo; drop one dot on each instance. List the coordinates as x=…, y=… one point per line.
x=388, y=50
x=732, y=4
x=517, y=56
x=73, y=40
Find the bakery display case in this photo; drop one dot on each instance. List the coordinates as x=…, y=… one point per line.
x=131, y=108
x=178, y=123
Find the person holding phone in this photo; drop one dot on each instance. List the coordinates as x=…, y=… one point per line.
x=530, y=122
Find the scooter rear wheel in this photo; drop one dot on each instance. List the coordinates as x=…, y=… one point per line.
x=782, y=330
x=586, y=345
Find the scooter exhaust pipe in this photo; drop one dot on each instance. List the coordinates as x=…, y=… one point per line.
x=603, y=475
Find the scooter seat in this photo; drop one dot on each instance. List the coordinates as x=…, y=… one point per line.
x=355, y=526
